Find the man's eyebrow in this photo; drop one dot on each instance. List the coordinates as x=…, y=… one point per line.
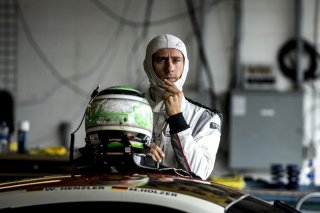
x=161, y=56
x=164, y=56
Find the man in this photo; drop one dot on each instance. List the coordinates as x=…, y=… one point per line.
x=186, y=135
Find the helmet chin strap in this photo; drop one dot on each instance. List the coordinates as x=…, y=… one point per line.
x=93, y=95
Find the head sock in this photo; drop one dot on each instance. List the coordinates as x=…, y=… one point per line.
x=157, y=43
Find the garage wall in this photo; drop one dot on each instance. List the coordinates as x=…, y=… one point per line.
x=67, y=47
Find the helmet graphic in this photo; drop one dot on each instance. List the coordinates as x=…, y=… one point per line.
x=118, y=122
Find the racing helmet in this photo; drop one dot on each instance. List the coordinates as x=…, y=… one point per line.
x=118, y=121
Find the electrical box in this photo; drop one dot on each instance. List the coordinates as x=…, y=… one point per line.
x=266, y=127
x=259, y=77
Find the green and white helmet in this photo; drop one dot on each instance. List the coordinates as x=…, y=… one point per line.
x=119, y=112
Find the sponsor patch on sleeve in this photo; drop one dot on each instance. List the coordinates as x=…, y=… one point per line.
x=215, y=126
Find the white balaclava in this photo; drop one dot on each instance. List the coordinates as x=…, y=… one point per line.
x=157, y=43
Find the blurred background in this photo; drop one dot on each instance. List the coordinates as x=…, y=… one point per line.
x=256, y=61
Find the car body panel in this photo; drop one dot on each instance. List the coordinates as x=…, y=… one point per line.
x=128, y=191
x=186, y=194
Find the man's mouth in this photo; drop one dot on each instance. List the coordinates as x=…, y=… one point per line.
x=172, y=79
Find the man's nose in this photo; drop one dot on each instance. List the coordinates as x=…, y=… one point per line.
x=170, y=66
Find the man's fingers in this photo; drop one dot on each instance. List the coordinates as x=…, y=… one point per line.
x=167, y=95
x=169, y=86
x=155, y=156
x=156, y=153
x=156, y=150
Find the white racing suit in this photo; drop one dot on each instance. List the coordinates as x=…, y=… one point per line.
x=190, y=139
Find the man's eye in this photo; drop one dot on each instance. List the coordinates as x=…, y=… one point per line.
x=162, y=60
x=177, y=60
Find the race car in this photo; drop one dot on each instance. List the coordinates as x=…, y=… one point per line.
x=113, y=171
x=132, y=191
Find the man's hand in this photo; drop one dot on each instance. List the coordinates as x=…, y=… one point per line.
x=156, y=153
x=172, y=97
